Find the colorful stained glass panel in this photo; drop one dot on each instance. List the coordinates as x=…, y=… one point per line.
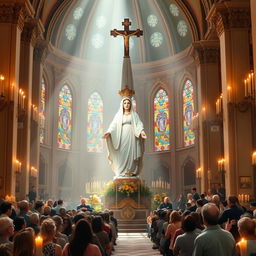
x=95, y=124
x=42, y=113
x=161, y=121
x=65, y=118
x=188, y=111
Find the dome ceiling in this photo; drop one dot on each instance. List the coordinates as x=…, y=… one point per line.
x=83, y=29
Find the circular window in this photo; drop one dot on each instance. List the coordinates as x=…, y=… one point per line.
x=156, y=39
x=70, y=32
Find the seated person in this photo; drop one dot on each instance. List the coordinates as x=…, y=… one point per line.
x=83, y=206
x=166, y=204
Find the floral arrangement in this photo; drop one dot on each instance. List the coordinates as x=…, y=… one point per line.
x=126, y=189
x=95, y=202
x=157, y=200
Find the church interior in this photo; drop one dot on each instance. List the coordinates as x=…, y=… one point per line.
x=60, y=76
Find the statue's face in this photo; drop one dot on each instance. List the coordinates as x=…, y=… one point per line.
x=127, y=105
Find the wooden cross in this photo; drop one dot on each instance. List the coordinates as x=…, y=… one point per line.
x=126, y=33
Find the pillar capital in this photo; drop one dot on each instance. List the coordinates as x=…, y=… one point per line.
x=41, y=50
x=206, y=51
x=14, y=12
x=229, y=15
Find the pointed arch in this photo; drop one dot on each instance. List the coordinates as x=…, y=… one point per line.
x=95, y=123
x=42, y=113
x=161, y=121
x=189, y=172
x=188, y=112
x=64, y=139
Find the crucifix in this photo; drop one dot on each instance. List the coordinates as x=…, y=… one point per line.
x=126, y=33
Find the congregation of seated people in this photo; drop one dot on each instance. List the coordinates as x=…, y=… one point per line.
x=77, y=232
x=204, y=225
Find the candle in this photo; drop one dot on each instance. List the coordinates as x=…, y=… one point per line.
x=243, y=247
x=2, y=85
x=229, y=93
x=245, y=88
x=254, y=158
x=39, y=244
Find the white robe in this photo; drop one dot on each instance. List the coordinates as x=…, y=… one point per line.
x=125, y=146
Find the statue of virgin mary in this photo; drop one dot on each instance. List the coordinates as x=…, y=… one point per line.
x=125, y=141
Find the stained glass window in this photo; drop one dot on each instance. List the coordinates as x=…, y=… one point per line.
x=95, y=123
x=65, y=118
x=42, y=113
x=188, y=110
x=161, y=121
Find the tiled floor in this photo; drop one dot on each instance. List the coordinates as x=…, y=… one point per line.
x=134, y=244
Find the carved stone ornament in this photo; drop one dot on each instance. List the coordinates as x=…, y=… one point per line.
x=205, y=52
x=229, y=15
x=41, y=50
x=13, y=13
x=128, y=213
x=30, y=32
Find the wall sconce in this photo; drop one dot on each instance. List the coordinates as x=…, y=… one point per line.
x=33, y=171
x=221, y=163
x=194, y=123
x=249, y=86
x=219, y=105
x=18, y=166
x=254, y=158
x=199, y=173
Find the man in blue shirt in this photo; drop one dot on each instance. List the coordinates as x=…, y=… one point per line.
x=166, y=204
x=83, y=206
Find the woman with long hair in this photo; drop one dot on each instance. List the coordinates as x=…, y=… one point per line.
x=81, y=241
x=24, y=244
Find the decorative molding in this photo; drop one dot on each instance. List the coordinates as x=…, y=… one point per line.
x=206, y=52
x=15, y=13
x=229, y=15
x=41, y=50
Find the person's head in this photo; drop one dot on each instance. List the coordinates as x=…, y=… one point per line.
x=34, y=218
x=202, y=196
x=78, y=217
x=60, y=202
x=19, y=223
x=34, y=188
x=198, y=220
x=166, y=200
x=39, y=206
x=67, y=225
x=83, y=201
x=210, y=213
x=81, y=238
x=127, y=104
x=48, y=229
x=216, y=199
x=62, y=211
x=58, y=222
x=246, y=227
x=50, y=202
x=188, y=224
x=189, y=196
x=111, y=213
x=6, y=227
x=193, y=190
x=175, y=217
x=47, y=210
x=199, y=203
x=42, y=218
x=24, y=244
x=6, y=208
x=23, y=206
x=97, y=224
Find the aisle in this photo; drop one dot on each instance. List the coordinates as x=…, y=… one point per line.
x=134, y=244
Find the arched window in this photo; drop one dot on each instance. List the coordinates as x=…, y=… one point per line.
x=42, y=112
x=65, y=118
x=161, y=121
x=188, y=111
x=95, y=123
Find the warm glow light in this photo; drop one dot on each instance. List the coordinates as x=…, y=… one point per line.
x=254, y=158
x=198, y=172
x=2, y=77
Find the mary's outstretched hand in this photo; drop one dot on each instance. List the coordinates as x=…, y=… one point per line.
x=143, y=135
x=105, y=135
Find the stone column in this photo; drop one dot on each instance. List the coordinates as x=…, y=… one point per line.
x=28, y=40
x=206, y=54
x=231, y=20
x=253, y=29
x=12, y=14
x=40, y=53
